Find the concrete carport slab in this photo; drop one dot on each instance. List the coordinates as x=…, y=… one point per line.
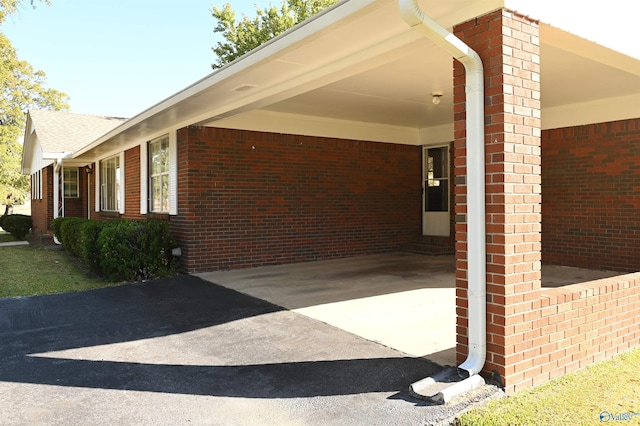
x=405, y=301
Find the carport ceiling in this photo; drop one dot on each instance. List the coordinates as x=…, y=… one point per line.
x=399, y=92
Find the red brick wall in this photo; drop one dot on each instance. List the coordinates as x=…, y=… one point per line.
x=591, y=194
x=132, y=183
x=581, y=324
x=249, y=198
x=508, y=46
x=42, y=210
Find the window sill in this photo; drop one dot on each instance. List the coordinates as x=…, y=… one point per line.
x=158, y=216
x=108, y=214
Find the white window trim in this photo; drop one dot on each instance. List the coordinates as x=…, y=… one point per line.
x=173, y=175
x=144, y=178
x=96, y=182
x=122, y=192
x=123, y=183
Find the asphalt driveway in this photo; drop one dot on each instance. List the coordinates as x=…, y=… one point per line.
x=186, y=351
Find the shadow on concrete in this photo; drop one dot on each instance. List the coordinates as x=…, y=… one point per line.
x=36, y=325
x=301, y=285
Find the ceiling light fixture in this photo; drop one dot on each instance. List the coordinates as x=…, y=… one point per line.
x=436, y=97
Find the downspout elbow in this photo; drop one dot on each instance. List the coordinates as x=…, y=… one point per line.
x=474, y=74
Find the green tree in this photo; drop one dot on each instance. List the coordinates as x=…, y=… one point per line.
x=242, y=36
x=8, y=7
x=21, y=88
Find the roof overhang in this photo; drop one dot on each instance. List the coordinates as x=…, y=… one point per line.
x=358, y=71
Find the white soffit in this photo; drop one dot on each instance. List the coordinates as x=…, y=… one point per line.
x=612, y=24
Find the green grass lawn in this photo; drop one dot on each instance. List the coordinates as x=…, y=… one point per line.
x=608, y=387
x=29, y=271
x=5, y=237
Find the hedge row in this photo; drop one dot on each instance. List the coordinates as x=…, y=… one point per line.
x=17, y=225
x=120, y=250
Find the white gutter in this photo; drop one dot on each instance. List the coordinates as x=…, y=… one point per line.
x=476, y=251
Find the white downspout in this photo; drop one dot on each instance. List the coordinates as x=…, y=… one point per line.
x=476, y=251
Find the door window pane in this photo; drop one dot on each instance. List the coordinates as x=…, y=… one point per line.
x=437, y=180
x=70, y=182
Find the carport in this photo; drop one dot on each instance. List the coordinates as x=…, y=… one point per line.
x=404, y=301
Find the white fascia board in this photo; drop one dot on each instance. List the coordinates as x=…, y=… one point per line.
x=285, y=40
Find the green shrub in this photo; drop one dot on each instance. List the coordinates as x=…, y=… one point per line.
x=56, y=224
x=89, y=248
x=2, y=218
x=18, y=225
x=70, y=232
x=136, y=251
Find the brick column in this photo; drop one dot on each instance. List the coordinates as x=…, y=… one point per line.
x=509, y=48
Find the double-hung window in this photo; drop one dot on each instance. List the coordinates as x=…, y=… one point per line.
x=159, y=175
x=71, y=182
x=110, y=181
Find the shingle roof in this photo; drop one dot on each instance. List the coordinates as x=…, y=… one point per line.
x=60, y=131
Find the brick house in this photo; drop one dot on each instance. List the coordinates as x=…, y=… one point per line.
x=58, y=182
x=347, y=135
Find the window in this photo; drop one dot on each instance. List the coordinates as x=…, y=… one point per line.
x=437, y=180
x=36, y=185
x=71, y=182
x=110, y=180
x=159, y=175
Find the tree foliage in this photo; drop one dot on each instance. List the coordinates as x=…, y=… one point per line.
x=242, y=36
x=21, y=88
x=8, y=7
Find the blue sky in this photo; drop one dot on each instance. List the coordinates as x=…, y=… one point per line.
x=119, y=57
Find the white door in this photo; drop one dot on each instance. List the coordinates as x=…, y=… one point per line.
x=435, y=190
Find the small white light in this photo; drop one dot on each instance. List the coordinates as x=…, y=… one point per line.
x=436, y=97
